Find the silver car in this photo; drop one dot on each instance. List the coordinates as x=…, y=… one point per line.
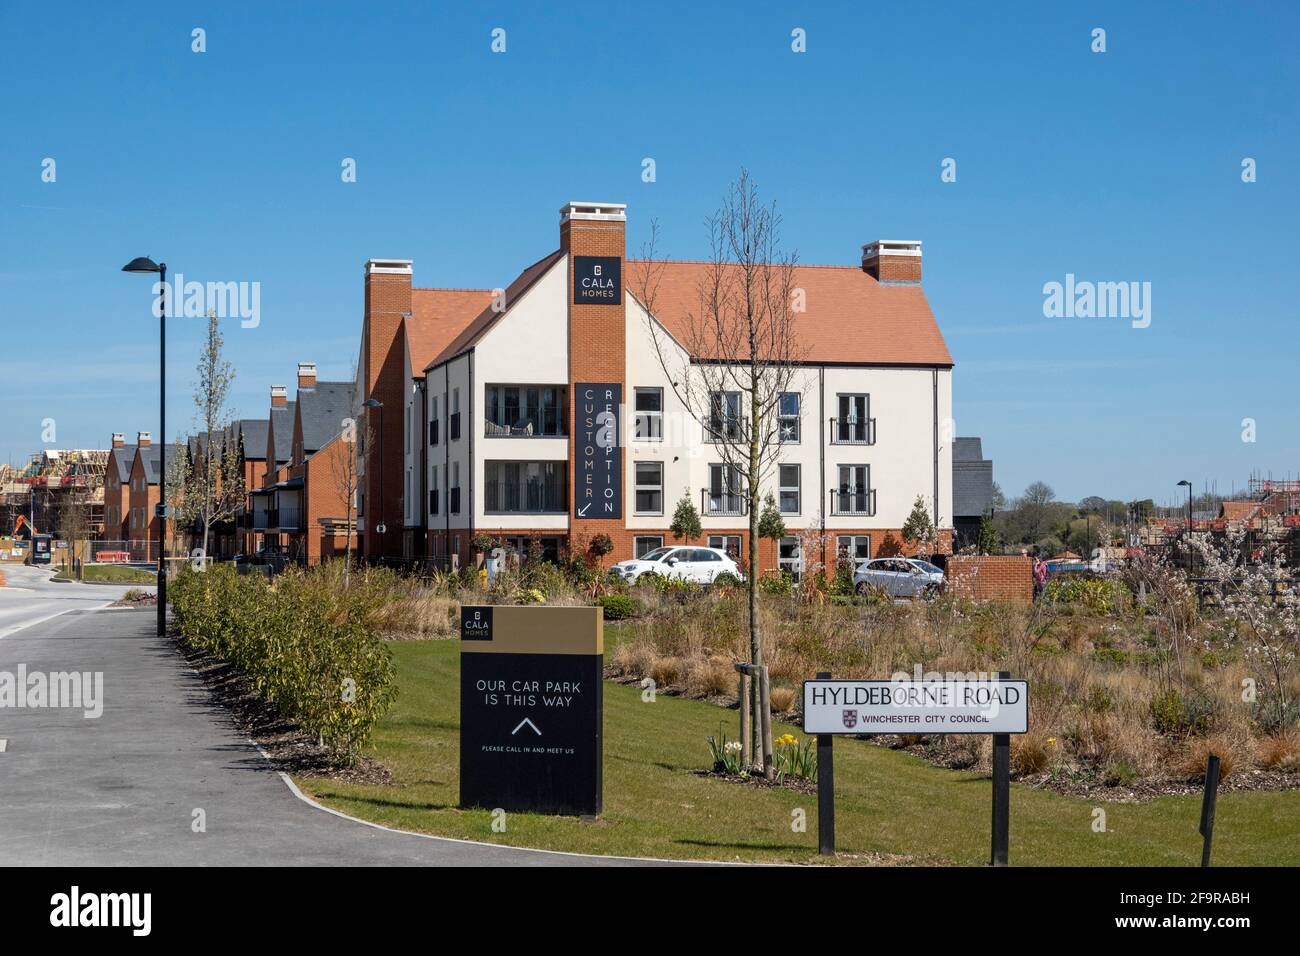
x=899, y=577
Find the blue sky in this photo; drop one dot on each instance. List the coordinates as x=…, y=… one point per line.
x=1115, y=166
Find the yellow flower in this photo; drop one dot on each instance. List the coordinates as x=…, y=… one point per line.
x=1051, y=741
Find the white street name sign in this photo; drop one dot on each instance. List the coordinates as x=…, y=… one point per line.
x=915, y=707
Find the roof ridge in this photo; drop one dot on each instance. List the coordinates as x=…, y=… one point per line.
x=709, y=262
x=446, y=288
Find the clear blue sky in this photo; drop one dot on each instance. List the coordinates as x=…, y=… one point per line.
x=1122, y=166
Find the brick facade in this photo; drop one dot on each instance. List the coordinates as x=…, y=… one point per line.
x=992, y=577
x=387, y=300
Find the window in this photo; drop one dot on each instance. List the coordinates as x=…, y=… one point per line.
x=649, y=488
x=433, y=421
x=788, y=478
x=725, y=423
x=433, y=490
x=649, y=422
x=854, y=495
x=453, y=422
x=524, y=411
x=524, y=487
x=787, y=417
x=730, y=543
x=789, y=557
x=723, y=493
x=854, y=426
x=853, y=547
x=454, y=488
x=644, y=544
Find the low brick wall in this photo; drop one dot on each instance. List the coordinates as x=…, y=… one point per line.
x=992, y=577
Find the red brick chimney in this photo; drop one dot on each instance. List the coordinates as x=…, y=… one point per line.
x=893, y=260
x=119, y=439
x=279, y=395
x=306, y=374
x=143, y=439
x=387, y=300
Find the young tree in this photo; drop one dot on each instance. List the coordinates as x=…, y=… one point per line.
x=346, y=472
x=74, y=523
x=771, y=525
x=738, y=353
x=918, y=529
x=686, y=521
x=217, y=480
x=987, y=541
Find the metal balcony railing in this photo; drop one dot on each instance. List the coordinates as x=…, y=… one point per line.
x=860, y=503
x=728, y=504
x=847, y=431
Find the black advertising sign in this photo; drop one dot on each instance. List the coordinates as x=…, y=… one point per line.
x=531, y=705
x=598, y=461
x=597, y=280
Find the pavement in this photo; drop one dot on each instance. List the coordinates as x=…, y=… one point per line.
x=125, y=788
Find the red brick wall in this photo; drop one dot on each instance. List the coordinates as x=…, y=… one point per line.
x=992, y=577
x=386, y=298
x=895, y=268
x=597, y=350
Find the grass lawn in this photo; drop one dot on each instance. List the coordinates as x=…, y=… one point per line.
x=886, y=802
x=113, y=573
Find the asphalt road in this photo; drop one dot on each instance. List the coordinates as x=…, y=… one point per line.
x=123, y=789
x=31, y=596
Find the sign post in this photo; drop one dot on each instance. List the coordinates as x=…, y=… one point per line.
x=825, y=789
x=531, y=704
x=1207, y=806
x=997, y=706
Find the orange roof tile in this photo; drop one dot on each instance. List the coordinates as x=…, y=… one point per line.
x=851, y=318
x=437, y=317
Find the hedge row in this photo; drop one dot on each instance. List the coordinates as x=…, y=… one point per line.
x=306, y=644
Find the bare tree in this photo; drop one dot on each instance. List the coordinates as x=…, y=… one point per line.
x=731, y=360
x=346, y=472
x=216, y=485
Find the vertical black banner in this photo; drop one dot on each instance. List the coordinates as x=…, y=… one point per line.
x=598, y=460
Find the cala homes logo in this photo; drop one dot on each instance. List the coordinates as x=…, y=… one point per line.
x=1085, y=299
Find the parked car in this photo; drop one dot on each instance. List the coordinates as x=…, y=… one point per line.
x=899, y=577
x=701, y=565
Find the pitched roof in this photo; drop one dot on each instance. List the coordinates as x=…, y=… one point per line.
x=254, y=433
x=151, y=456
x=437, y=317
x=322, y=410
x=281, y=420
x=850, y=317
x=123, y=456
x=1239, y=510
x=486, y=318
x=972, y=479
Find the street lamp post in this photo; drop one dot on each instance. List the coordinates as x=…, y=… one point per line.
x=145, y=265
x=380, y=527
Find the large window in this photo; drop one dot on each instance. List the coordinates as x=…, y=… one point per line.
x=789, y=557
x=649, y=488
x=787, y=417
x=649, y=423
x=723, y=494
x=730, y=543
x=645, y=543
x=789, y=497
x=453, y=489
x=725, y=421
x=524, y=411
x=853, y=547
x=524, y=487
x=433, y=490
x=853, y=424
x=854, y=496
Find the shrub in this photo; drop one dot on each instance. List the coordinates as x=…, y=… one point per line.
x=1196, y=754
x=306, y=644
x=782, y=699
x=725, y=753
x=1102, y=595
x=726, y=580
x=777, y=584
x=1118, y=772
x=664, y=671
x=619, y=607
x=1281, y=751
x=1030, y=754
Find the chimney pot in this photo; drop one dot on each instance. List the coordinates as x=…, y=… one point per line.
x=279, y=395
x=144, y=439
x=119, y=439
x=306, y=374
x=893, y=260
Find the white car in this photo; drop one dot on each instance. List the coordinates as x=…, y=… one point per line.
x=701, y=565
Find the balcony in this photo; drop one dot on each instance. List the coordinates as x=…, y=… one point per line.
x=725, y=504
x=525, y=487
x=525, y=411
x=853, y=431
x=855, y=503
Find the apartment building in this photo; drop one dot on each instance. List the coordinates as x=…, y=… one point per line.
x=484, y=406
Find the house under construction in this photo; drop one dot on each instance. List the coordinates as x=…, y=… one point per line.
x=54, y=484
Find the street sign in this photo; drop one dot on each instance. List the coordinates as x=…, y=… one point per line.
x=531, y=704
x=989, y=706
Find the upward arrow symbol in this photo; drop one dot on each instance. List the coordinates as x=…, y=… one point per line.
x=529, y=722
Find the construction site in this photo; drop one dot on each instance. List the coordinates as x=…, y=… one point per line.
x=58, y=492
x=1268, y=514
